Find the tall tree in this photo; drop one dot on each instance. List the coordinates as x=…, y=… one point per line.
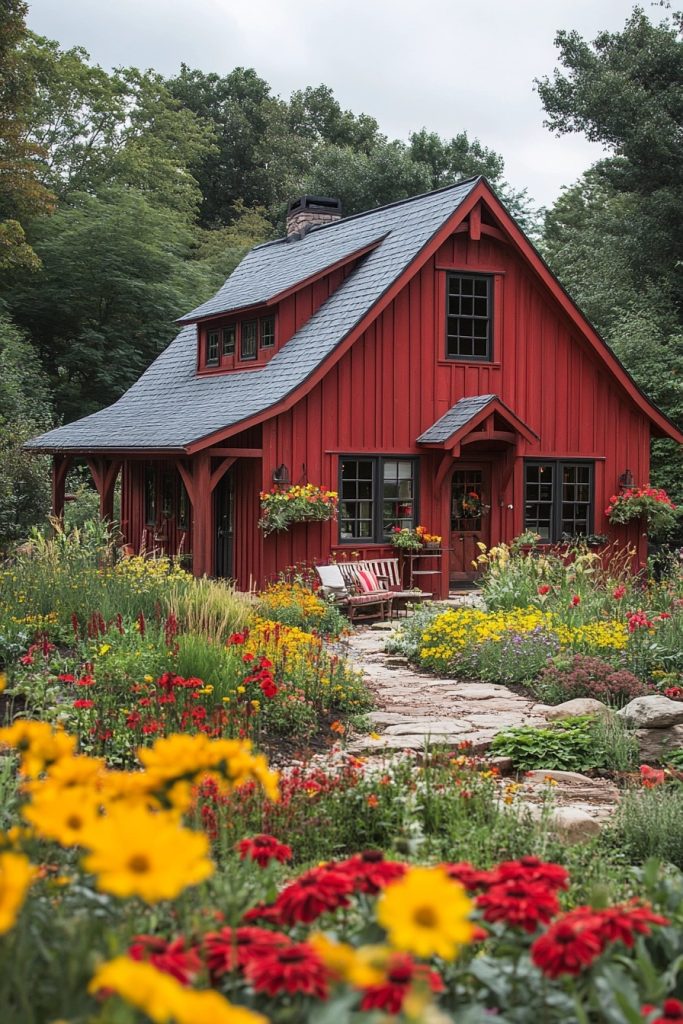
x=614, y=237
x=21, y=193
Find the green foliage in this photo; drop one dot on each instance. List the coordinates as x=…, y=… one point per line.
x=573, y=744
x=613, y=238
x=649, y=823
x=116, y=270
x=25, y=410
x=22, y=194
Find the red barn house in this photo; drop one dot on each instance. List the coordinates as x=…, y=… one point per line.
x=409, y=358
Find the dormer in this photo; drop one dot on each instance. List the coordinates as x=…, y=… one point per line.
x=237, y=341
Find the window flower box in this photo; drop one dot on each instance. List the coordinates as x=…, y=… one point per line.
x=297, y=504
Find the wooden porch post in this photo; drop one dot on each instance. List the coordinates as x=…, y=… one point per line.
x=200, y=483
x=60, y=467
x=104, y=473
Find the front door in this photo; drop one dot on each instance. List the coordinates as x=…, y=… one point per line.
x=224, y=508
x=470, y=519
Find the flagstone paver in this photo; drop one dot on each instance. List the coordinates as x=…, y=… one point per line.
x=413, y=708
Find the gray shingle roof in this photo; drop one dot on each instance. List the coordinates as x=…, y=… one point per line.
x=457, y=416
x=170, y=407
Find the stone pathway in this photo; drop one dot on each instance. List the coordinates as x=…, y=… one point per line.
x=415, y=707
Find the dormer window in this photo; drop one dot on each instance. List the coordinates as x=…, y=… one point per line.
x=212, y=348
x=229, y=339
x=237, y=344
x=267, y=334
x=249, y=339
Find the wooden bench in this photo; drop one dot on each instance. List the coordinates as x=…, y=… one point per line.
x=388, y=575
x=336, y=588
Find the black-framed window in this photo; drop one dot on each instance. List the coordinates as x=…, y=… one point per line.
x=376, y=494
x=469, y=316
x=229, y=339
x=267, y=330
x=558, y=498
x=150, y=490
x=249, y=339
x=212, y=348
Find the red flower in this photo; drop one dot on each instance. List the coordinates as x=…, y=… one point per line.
x=618, y=592
x=237, y=638
x=622, y=923
x=469, y=876
x=264, y=848
x=84, y=704
x=672, y=1012
x=174, y=958
x=575, y=600
x=246, y=658
x=370, y=871
x=294, y=968
x=231, y=948
x=402, y=971
x=262, y=912
x=66, y=678
x=312, y=894
x=26, y=659
x=567, y=947
x=651, y=777
x=86, y=680
x=543, y=589
x=532, y=869
x=519, y=903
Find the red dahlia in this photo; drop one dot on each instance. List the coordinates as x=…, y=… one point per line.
x=175, y=958
x=519, y=903
x=671, y=1013
x=623, y=923
x=532, y=869
x=568, y=946
x=264, y=848
x=294, y=968
x=230, y=948
x=263, y=912
x=370, y=871
x=312, y=894
x=469, y=876
x=402, y=971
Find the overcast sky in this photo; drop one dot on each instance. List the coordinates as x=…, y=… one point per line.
x=447, y=65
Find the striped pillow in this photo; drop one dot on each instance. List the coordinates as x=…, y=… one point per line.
x=367, y=581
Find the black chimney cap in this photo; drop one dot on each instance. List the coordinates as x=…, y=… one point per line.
x=316, y=204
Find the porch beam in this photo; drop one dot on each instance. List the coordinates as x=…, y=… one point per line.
x=491, y=435
x=238, y=453
x=442, y=472
x=104, y=473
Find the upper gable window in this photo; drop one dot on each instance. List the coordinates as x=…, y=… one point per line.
x=249, y=339
x=267, y=331
x=469, y=302
x=229, y=339
x=212, y=348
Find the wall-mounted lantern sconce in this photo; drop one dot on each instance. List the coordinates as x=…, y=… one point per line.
x=281, y=475
x=626, y=479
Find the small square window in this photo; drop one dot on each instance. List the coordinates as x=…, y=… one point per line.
x=558, y=499
x=268, y=332
x=212, y=348
x=249, y=339
x=229, y=337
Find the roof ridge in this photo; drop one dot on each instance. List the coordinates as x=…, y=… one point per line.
x=375, y=209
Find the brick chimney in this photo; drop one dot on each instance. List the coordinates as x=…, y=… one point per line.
x=309, y=211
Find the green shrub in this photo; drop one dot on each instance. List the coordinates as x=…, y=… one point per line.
x=649, y=823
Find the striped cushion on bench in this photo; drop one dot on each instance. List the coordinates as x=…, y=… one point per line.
x=367, y=581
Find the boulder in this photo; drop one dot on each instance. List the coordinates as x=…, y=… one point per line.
x=571, y=708
x=574, y=825
x=654, y=743
x=653, y=712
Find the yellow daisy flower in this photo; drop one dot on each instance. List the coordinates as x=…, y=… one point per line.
x=426, y=913
x=62, y=814
x=135, y=852
x=16, y=875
